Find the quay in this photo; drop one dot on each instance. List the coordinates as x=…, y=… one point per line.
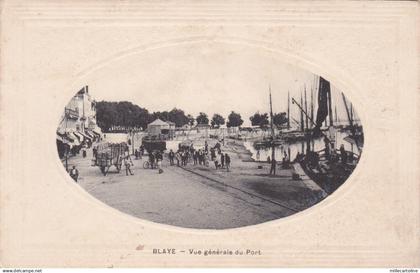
x=196, y=196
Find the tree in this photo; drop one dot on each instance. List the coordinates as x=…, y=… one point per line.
x=191, y=120
x=126, y=116
x=234, y=120
x=142, y=118
x=178, y=117
x=123, y=114
x=160, y=115
x=217, y=120
x=279, y=118
x=202, y=118
x=259, y=119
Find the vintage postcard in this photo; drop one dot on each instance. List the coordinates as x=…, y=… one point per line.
x=209, y=134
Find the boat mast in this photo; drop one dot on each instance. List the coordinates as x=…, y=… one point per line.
x=273, y=153
x=288, y=109
x=302, y=125
x=303, y=112
x=349, y=116
x=306, y=108
x=347, y=111
x=312, y=104
x=330, y=109
x=336, y=116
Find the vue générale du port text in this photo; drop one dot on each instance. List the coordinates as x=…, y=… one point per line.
x=207, y=252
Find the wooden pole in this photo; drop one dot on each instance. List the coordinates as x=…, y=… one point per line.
x=303, y=111
x=273, y=153
x=302, y=125
x=306, y=110
x=288, y=109
x=312, y=104
x=336, y=116
x=330, y=108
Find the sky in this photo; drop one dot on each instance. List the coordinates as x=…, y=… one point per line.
x=210, y=78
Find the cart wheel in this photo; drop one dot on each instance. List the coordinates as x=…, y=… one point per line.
x=146, y=165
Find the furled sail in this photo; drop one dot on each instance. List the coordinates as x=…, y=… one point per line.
x=322, y=113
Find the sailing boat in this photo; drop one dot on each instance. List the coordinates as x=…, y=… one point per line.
x=356, y=137
x=329, y=168
x=271, y=140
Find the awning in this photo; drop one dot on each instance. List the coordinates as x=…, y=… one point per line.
x=61, y=138
x=85, y=135
x=79, y=136
x=61, y=133
x=74, y=138
x=96, y=133
x=88, y=133
x=64, y=139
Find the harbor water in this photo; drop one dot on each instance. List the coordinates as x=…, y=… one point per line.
x=317, y=144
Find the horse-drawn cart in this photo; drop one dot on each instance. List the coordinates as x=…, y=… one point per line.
x=108, y=155
x=154, y=143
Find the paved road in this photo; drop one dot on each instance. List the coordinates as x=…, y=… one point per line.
x=183, y=198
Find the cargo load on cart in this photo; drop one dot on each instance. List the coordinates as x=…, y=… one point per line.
x=110, y=154
x=154, y=143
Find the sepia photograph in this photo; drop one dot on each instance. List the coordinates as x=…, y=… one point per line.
x=209, y=134
x=227, y=138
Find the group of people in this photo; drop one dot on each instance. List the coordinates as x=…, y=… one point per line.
x=181, y=156
x=155, y=160
x=222, y=161
x=200, y=156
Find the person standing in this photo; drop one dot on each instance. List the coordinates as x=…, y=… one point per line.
x=222, y=160
x=195, y=157
x=227, y=161
x=128, y=163
x=185, y=157
x=159, y=159
x=213, y=154
x=152, y=160
x=273, y=166
x=182, y=155
x=141, y=151
x=171, y=157
x=216, y=163
x=200, y=156
x=74, y=173
x=177, y=157
x=343, y=154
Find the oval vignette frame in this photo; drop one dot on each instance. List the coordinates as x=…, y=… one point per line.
x=268, y=48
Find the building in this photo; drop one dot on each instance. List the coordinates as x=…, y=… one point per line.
x=78, y=125
x=161, y=129
x=157, y=127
